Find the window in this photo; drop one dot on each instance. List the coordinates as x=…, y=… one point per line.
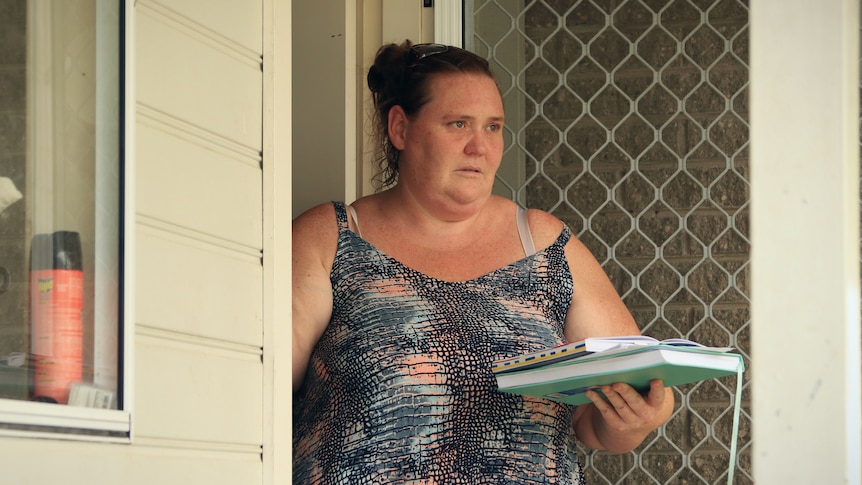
x=61, y=216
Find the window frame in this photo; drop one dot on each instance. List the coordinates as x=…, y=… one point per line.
x=46, y=420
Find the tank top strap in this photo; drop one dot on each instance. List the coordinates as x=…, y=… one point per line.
x=525, y=233
x=341, y=216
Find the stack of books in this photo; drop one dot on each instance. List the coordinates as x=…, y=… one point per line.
x=566, y=372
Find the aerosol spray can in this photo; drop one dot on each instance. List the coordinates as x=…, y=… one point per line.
x=56, y=317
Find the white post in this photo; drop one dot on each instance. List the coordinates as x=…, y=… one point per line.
x=805, y=241
x=277, y=267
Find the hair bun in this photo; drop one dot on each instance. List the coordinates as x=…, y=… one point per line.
x=376, y=80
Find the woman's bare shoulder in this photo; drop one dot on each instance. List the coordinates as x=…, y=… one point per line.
x=545, y=227
x=315, y=228
x=326, y=209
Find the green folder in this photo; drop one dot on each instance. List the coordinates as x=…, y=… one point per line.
x=568, y=382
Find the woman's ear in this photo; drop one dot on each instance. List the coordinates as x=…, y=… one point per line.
x=397, y=127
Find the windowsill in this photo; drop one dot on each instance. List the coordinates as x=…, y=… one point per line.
x=44, y=420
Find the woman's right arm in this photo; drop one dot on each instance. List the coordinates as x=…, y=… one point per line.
x=315, y=240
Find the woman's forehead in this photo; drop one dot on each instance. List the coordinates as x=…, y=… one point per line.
x=466, y=90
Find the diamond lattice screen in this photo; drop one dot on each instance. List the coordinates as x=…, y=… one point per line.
x=629, y=121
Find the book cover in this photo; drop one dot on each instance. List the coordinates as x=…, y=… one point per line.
x=568, y=381
x=586, y=347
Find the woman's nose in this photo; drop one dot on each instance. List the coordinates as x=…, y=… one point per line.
x=477, y=145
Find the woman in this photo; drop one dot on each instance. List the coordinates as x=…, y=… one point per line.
x=403, y=299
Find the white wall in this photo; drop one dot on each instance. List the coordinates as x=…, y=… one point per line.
x=320, y=102
x=805, y=241
x=334, y=45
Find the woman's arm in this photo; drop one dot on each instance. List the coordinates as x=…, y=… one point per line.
x=315, y=240
x=620, y=420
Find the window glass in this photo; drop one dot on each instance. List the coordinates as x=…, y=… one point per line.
x=60, y=204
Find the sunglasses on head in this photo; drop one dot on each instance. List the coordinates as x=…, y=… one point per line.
x=418, y=52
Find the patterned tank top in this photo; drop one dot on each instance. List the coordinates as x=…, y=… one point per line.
x=399, y=388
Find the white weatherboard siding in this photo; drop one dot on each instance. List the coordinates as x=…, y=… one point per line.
x=198, y=389
x=199, y=374
x=43, y=462
x=217, y=289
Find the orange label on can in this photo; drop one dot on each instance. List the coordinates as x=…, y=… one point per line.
x=56, y=305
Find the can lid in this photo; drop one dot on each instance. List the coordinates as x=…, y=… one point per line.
x=60, y=250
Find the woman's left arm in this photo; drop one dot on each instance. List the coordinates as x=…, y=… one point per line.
x=620, y=417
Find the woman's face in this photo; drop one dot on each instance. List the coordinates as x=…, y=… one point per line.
x=451, y=148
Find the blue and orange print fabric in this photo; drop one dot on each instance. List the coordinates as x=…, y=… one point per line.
x=399, y=388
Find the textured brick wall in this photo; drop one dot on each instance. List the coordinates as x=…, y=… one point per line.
x=636, y=134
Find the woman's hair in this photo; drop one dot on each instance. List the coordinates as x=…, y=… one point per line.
x=399, y=77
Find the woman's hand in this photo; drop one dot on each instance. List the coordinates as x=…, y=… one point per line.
x=620, y=417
